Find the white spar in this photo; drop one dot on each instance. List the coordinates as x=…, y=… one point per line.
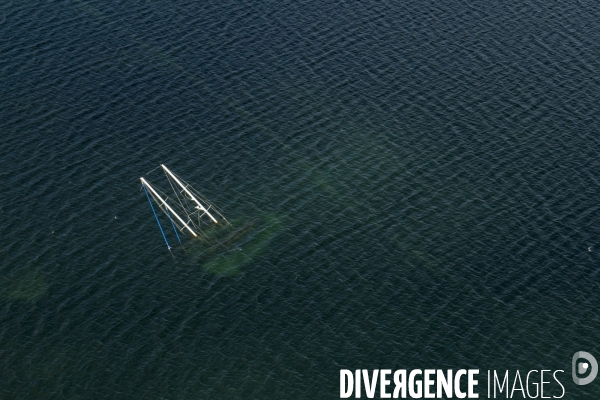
x=167, y=206
x=200, y=206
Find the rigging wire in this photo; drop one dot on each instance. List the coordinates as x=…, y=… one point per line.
x=174, y=228
x=157, y=220
x=176, y=195
x=152, y=170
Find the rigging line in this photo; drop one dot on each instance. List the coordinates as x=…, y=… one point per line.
x=176, y=195
x=157, y=220
x=182, y=192
x=175, y=229
x=205, y=200
x=152, y=170
x=184, y=187
x=164, y=208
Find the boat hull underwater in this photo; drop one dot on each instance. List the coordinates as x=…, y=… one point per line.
x=226, y=250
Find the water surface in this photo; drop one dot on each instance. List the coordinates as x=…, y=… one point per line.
x=434, y=165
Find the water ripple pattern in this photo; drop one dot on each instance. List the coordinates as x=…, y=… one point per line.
x=433, y=164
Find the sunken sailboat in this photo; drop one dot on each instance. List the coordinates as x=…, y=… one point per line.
x=202, y=231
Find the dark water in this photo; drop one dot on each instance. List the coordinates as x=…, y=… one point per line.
x=435, y=165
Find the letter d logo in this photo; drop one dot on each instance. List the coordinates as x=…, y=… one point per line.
x=583, y=367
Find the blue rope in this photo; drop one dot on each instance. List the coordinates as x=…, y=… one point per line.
x=161, y=229
x=175, y=229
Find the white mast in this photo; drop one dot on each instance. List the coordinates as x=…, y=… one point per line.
x=167, y=206
x=200, y=206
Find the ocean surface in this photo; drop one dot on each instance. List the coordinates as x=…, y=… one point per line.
x=432, y=167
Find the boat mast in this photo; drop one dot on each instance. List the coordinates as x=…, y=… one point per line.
x=146, y=184
x=200, y=206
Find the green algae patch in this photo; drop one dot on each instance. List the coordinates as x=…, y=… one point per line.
x=223, y=251
x=24, y=284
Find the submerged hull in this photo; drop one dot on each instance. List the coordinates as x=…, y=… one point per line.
x=224, y=250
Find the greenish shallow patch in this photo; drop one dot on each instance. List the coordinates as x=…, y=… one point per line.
x=224, y=253
x=24, y=284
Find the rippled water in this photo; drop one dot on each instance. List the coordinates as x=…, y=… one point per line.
x=433, y=165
